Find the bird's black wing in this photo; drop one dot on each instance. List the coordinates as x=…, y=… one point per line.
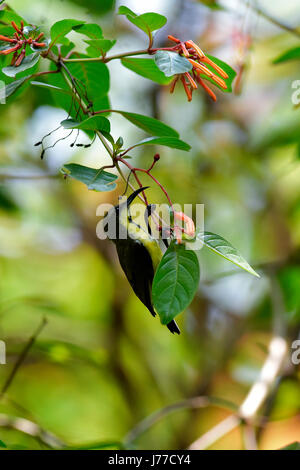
x=137, y=265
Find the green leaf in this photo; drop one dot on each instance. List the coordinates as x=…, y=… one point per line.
x=150, y=125
x=94, y=123
x=147, y=22
x=90, y=30
x=171, y=63
x=99, y=445
x=95, y=179
x=212, y=4
x=12, y=87
x=171, y=142
x=229, y=70
x=291, y=54
x=97, y=7
x=99, y=47
x=109, y=137
x=51, y=87
x=61, y=28
x=7, y=15
x=294, y=446
x=28, y=62
x=94, y=75
x=126, y=11
x=175, y=282
x=222, y=247
x=147, y=68
x=2, y=445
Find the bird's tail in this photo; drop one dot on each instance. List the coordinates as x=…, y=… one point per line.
x=173, y=327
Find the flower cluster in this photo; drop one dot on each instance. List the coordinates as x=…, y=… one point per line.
x=18, y=42
x=199, y=61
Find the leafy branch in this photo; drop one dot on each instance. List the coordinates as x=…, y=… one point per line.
x=76, y=89
x=22, y=358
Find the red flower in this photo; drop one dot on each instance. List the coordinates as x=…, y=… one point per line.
x=199, y=61
x=19, y=41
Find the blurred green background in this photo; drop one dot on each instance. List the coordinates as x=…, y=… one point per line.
x=102, y=363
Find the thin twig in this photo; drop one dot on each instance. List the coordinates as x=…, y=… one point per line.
x=259, y=391
x=143, y=426
x=27, y=177
x=273, y=20
x=195, y=402
x=21, y=358
x=249, y=436
x=214, y=434
x=108, y=59
x=32, y=429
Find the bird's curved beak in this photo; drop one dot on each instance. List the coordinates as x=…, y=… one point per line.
x=133, y=195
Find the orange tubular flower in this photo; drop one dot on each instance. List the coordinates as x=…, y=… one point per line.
x=200, y=71
x=8, y=51
x=184, y=50
x=189, y=223
x=207, y=89
x=191, y=80
x=187, y=89
x=20, y=41
x=215, y=66
x=197, y=49
x=174, y=84
x=6, y=39
x=172, y=38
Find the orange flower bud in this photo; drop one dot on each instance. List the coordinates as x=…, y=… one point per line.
x=8, y=51
x=207, y=89
x=199, y=52
x=184, y=50
x=215, y=66
x=172, y=38
x=186, y=88
x=174, y=84
x=6, y=39
x=39, y=36
x=189, y=223
x=20, y=58
x=15, y=27
x=191, y=80
x=201, y=68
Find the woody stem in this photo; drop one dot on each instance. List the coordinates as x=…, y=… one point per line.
x=148, y=51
